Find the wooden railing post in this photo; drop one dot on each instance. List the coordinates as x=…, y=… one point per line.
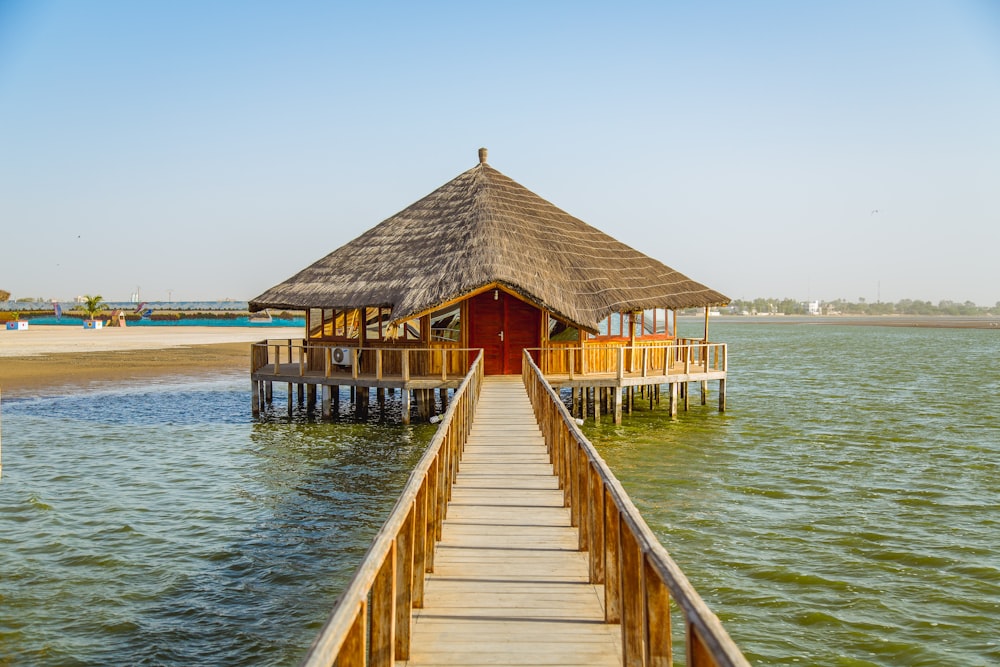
x=352, y=652
x=404, y=585
x=638, y=575
x=659, y=646
x=612, y=568
x=383, y=638
x=633, y=618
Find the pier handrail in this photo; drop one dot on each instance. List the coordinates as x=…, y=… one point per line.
x=638, y=574
x=370, y=624
x=652, y=358
x=297, y=352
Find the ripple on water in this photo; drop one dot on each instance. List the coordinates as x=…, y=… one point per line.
x=837, y=514
x=188, y=532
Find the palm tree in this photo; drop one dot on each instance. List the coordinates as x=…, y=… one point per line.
x=92, y=305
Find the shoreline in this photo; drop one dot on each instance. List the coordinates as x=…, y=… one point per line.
x=45, y=360
x=925, y=321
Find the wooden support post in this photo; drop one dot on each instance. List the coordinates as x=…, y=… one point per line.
x=722, y=395
x=405, y=395
x=361, y=404
x=420, y=567
x=650, y=390
x=674, y=388
x=380, y=397
x=326, y=401
x=633, y=619
x=596, y=526
x=355, y=644
x=443, y=395
x=289, y=399
x=404, y=585
x=616, y=400
x=301, y=390
x=269, y=392
x=704, y=392
x=255, y=397
x=383, y=637
x=659, y=649
x=597, y=405
x=335, y=390
x=612, y=570
x=687, y=396
x=310, y=397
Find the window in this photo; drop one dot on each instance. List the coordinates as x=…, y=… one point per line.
x=329, y=324
x=446, y=324
x=375, y=319
x=408, y=330
x=560, y=331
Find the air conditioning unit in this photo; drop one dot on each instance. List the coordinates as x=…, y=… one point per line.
x=341, y=356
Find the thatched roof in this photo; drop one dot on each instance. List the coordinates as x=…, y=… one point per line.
x=479, y=229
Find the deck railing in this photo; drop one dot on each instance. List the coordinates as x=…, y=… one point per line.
x=370, y=624
x=444, y=362
x=655, y=358
x=638, y=574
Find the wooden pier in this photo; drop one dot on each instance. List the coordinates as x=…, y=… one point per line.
x=510, y=585
x=602, y=378
x=512, y=544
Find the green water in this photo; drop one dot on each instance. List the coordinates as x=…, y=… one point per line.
x=846, y=509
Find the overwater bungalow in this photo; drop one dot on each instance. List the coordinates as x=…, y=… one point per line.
x=484, y=263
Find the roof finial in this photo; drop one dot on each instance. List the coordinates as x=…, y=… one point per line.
x=482, y=156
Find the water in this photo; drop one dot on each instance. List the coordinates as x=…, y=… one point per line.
x=844, y=511
x=162, y=526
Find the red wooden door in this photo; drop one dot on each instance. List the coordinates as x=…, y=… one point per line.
x=485, y=327
x=503, y=326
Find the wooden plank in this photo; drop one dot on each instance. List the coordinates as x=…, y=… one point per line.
x=509, y=584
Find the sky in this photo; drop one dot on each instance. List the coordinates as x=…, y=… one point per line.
x=193, y=151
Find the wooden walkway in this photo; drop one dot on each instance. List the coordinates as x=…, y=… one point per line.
x=510, y=586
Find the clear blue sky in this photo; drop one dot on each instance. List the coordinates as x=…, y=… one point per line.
x=205, y=150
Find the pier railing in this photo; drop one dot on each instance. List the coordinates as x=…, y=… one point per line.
x=444, y=362
x=370, y=624
x=646, y=359
x=638, y=574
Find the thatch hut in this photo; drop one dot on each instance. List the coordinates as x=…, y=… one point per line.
x=483, y=262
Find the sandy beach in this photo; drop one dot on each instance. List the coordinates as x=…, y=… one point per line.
x=54, y=357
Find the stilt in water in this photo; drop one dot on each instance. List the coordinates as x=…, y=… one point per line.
x=327, y=391
x=405, y=395
x=362, y=395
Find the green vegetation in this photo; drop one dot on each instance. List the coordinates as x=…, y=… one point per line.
x=92, y=305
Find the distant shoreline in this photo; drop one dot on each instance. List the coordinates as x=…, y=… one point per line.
x=928, y=321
